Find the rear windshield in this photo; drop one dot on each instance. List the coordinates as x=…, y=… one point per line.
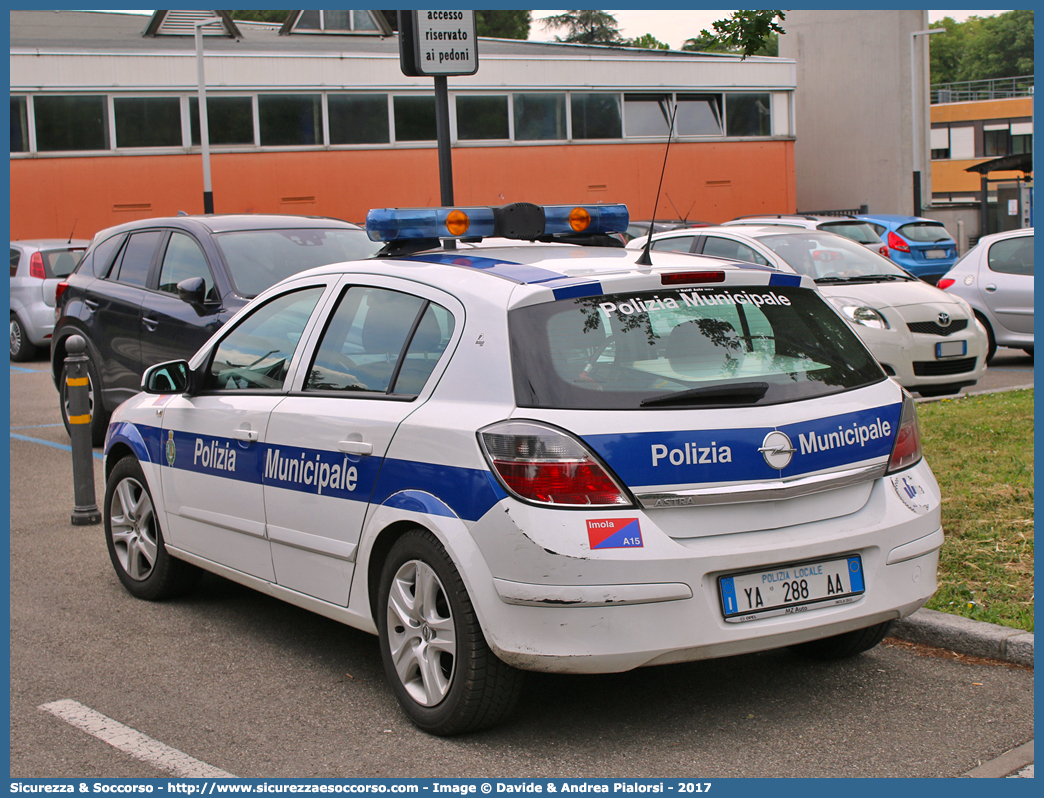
x=61, y=262
x=857, y=231
x=705, y=347
x=258, y=259
x=923, y=232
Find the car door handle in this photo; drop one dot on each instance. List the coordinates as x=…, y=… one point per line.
x=991, y=288
x=245, y=435
x=151, y=324
x=355, y=447
x=91, y=303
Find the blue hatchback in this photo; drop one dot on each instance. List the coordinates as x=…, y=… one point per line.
x=921, y=246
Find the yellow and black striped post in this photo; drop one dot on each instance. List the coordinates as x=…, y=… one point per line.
x=85, y=510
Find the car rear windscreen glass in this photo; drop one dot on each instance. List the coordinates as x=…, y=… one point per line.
x=61, y=262
x=857, y=231
x=258, y=259
x=707, y=347
x=924, y=233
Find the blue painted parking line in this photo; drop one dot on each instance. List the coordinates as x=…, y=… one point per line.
x=39, y=426
x=64, y=446
x=21, y=370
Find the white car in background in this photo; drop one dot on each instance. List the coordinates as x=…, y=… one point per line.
x=927, y=340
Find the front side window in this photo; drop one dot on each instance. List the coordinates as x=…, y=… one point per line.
x=684, y=348
x=132, y=267
x=596, y=116
x=380, y=342
x=71, y=123
x=182, y=261
x=256, y=355
x=147, y=121
x=539, y=117
x=1012, y=256
x=258, y=259
x=290, y=120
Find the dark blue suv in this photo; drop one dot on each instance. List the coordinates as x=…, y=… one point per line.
x=156, y=289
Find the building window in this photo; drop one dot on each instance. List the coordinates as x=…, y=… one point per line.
x=647, y=114
x=19, y=125
x=596, y=116
x=147, y=121
x=539, y=117
x=996, y=142
x=698, y=115
x=230, y=120
x=290, y=120
x=482, y=118
x=748, y=115
x=358, y=118
x=336, y=20
x=940, y=143
x=71, y=123
x=414, y=118
x=1022, y=145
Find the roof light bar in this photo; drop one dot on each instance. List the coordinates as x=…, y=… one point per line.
x=519, y=220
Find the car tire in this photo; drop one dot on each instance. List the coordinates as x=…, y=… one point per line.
x=991, y=348
x=135, y=540
x=22, y=348
x=436, y=658
x=99, y=418
x=844, y=645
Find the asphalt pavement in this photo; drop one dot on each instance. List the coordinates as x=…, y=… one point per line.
x=45, y=625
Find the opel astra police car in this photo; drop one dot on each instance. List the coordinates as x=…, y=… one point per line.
x=549, y=457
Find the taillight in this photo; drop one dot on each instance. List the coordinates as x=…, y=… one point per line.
x=895, y=242
x=545, y=465
x=36, y=266
x=884, y=251
x=906, y=451
x=59, y=290
x=945, y=283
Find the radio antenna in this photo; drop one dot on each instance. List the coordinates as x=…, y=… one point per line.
x=73, y=230
x=644, y=259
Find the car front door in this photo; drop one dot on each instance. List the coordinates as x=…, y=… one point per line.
x=214, y=442
x=327, y=441
x=1006, y=283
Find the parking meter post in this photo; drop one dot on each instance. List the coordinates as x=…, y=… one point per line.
x=85, y=509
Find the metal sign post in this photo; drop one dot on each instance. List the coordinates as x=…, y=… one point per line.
x=440, y=44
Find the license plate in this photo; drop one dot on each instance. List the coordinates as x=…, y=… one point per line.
x=790, y=589
x=935, y=253
x=945, y=349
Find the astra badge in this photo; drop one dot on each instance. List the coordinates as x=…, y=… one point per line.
x=170, y=448
x=777, y=450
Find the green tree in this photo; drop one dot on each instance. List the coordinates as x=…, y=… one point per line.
x=983, y=48
x=508, y=24
x=586, y=27
x=648, y=42
x=745, y=32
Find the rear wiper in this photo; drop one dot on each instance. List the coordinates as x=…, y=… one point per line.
x=860, y=278
x=738, y=393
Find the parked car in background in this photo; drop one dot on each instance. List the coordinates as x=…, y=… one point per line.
x=37, y=266
x=157, y=289
x=922, y=246
x=848, y=226
x=635, y=229
x=996, y=278
x=927, y=340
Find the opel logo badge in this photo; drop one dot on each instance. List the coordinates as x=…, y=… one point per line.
x=944, y=319
x=777, y=450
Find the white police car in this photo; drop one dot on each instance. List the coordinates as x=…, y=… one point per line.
x=552, y=458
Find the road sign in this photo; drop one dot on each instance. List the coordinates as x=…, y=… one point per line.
x=438, y=43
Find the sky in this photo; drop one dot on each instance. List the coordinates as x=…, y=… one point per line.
x=674, y=26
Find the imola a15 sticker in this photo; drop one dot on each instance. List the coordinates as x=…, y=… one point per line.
x=614, y=533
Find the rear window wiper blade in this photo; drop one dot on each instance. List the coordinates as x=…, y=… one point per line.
x=738, y=393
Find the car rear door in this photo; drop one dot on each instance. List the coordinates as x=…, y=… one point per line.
x=1006, y=282
x=372, y=367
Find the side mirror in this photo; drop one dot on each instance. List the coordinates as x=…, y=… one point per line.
x=171, y=377
x=193, y=291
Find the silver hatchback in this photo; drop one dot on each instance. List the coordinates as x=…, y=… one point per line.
x=37, y=267
x=996, y=278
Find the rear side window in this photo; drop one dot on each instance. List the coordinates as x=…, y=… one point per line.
x=627, y=351
x=924, y=233
x=1012, y=256
x=15, y=255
